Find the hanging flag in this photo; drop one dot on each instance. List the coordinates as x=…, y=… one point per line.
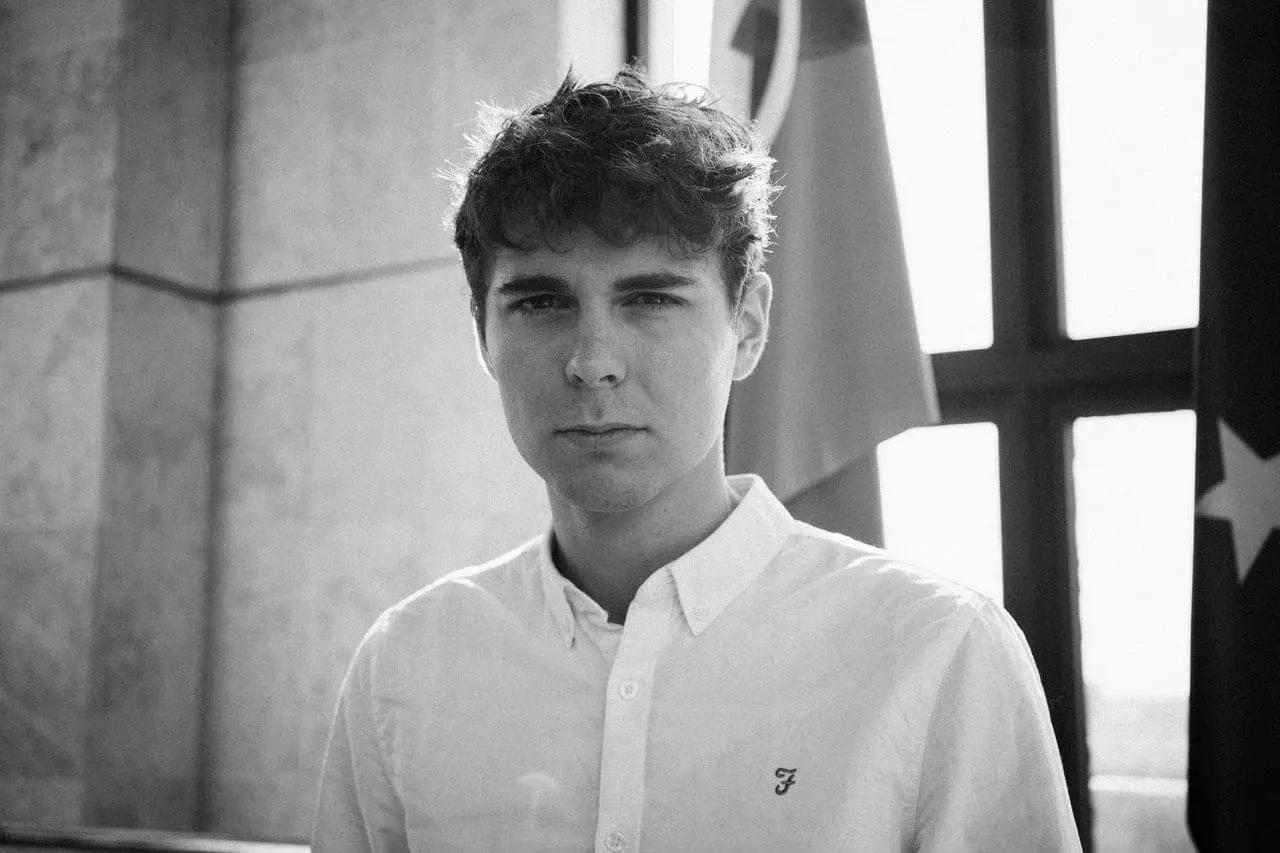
x=1233, y=798
x=843, y=369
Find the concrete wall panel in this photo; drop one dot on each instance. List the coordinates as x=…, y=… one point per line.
x=365, y=451
x=366, y=454
x=145, y=705
x=52, y=351
x=29, y=29
x=347, y=112
x=57, y=159
x=173, y=136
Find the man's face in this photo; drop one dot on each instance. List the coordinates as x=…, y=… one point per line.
x=615, y=364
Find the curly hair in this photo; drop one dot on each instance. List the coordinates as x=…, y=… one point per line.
x=627, y=160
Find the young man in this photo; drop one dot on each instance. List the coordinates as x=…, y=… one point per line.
x=677, y=664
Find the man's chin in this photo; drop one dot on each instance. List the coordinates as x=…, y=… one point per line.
x=603, y=495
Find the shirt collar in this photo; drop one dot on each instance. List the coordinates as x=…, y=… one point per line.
x=555, y=588
x=711, y=574
x=716, y=571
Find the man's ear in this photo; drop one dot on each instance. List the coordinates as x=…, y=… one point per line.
x=752, y=322
x=482, y=350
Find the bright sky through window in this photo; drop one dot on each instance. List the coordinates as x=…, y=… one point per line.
x=940, y=498
x=1129, y=97
x=1130, y=109
x=929, y=60
x=1134, y=502
x=680, y=39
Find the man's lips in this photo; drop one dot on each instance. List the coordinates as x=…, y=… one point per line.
x=598, y=429
x=598, y=436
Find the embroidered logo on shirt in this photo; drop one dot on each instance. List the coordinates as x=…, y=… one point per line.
x=788, y=777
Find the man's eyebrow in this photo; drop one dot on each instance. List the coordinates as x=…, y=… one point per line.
x=655, y=281
x=526, y=285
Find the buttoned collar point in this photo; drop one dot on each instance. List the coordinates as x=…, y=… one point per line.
x=708, y=577
x=556, y=590
x=716, y=571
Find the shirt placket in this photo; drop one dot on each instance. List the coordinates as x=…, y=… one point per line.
x=626, y=722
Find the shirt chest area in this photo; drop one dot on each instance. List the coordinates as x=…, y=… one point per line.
x=719, y=741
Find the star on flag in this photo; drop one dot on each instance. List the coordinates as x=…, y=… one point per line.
x=1248, y=497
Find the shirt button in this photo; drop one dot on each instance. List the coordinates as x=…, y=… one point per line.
x=615, y=840
x=699, y=612
x=627, y=690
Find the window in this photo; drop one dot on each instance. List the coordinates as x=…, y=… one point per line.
x=1130, y=109
x=929, y=63
x=1088, y=352
x=1053, y=256
x=940, y=500
x=1134, y=493
x=679, y=39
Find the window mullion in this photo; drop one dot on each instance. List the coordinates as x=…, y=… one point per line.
x=1025, y=256
x=1039, y=573
x=1039, y=578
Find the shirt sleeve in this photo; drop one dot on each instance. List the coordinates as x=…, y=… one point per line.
x=991, y=775
x=358, y=810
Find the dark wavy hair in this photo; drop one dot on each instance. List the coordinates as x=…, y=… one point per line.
x=627, y=160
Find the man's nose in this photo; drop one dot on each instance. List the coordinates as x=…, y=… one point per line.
x=596, y=358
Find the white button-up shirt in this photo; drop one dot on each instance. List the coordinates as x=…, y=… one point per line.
x=778, y=687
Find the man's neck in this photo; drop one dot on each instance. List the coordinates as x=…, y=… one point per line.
x=609, y=555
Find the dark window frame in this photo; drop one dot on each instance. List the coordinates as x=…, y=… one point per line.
x=1034, y=381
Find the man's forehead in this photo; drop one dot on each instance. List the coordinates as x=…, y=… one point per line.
x=584, y=254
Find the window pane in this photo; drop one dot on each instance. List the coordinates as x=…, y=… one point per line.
x=940, y=496
x=1134, y=500
x=592, y=37
x=1130, y=103
x=679, y=40
x=929, y=59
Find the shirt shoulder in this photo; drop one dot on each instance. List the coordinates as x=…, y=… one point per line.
x=446, y=611
x=869, y=605
x=870, y=583
x=913, y=619
x=504, y=580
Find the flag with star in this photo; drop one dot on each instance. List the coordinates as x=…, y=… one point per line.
x=1233, y=798
x=843, y=369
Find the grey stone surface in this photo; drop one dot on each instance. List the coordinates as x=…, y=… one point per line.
x=57, y=159
x=144, y=713
x=345, y=115
x=30, y=29
x=271, y=28
x=366, y=454
x=52, y=349
x=50, y=800
x=105, y=429
x=115, y=138
x=46, y=589
x=114, y=117
x=366, y=451
x=173, y=139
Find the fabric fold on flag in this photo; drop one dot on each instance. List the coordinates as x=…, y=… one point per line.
x=843, y=369
x=1233, y=800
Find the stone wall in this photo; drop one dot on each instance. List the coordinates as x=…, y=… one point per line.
x=240, y=407
x=114, y=118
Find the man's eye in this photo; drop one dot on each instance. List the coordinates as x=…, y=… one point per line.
x=655, y=300
x=535, y=304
